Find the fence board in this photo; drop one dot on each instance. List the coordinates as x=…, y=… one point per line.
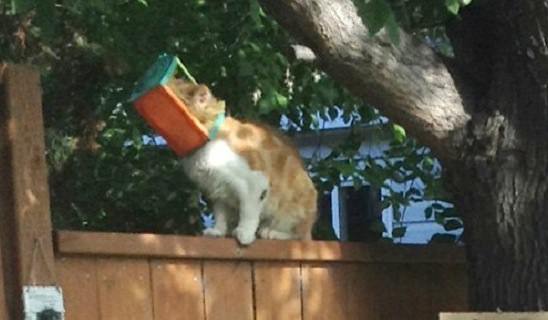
x=277, y=291
x=124, y=289
x=78, y=279
x=405, y=292
x=177, y=290
x=362, y=287
x=337, y=291
x=449, y=288
x=247, y=285
x=228, y=290
x=418, y=291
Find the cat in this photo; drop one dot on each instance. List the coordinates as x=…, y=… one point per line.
x=251, y=173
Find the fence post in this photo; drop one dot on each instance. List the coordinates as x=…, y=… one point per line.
x=25, y=222
x=3, y=307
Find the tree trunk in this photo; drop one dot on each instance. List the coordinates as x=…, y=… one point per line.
x=492, y=136
x=500, y=180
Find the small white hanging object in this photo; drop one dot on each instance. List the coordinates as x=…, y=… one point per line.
x=43, y=303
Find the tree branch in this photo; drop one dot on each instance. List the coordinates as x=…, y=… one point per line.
x=408, y=82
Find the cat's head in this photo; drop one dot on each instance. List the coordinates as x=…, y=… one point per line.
x=199, y=100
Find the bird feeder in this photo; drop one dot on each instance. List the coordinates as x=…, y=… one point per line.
x=164, y=111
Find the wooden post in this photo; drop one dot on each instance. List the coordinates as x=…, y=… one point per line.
x=25, y=222
x=3, y=307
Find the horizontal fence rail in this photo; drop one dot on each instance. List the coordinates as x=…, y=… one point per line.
x=146, y=276
x=173, y=246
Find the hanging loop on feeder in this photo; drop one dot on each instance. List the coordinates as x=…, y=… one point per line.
x=185, y=71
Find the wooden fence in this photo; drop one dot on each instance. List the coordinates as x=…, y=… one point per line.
x=110, y=276
x=144, y=276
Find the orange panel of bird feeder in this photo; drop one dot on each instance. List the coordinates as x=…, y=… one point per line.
x=165, y=112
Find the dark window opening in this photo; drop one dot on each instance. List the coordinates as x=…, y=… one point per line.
x=360, y=210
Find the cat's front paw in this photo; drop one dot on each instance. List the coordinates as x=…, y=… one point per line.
x=213, y=232
x=245, y=237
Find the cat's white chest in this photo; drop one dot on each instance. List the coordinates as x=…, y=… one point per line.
x=220, y=172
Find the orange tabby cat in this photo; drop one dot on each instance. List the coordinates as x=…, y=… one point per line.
x=253, y=175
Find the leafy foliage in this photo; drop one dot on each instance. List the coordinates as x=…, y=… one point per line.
x=104, y=177
x=412, y=15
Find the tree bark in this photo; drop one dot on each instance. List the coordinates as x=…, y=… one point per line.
x=408, y=82
x=489, y=125
x=500, y=186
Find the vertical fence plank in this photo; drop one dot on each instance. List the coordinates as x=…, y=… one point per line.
x=124, y=289
x=3, y=307
x=338, y=292
x=418, y=290
x=361, y=286
x=177, y=289
x=277, y=290
x=449, y=288
x=78, y=279
x=405, y=291
x=25, y=223
x=228, y=290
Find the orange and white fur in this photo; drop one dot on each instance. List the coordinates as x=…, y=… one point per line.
x=252, y=174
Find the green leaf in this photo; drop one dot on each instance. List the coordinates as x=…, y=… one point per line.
x=428, y=163
x=438, y=206
x=399, y=232
x=438, y=216
x=333, y=113
x=46, y=18
x=428, y=212
x=399, y=133
x=443, y=238
x=375, y=14
x=453, y=6
x=393, y=30
x=264, y=106
x=143, y=2
x=465, y=2
x=377, y=226
x=281, y=100
x=101, y=5
x=396, y=211
x=21, y=6
x=450, y=213
x=255, y=12
x=452, y=224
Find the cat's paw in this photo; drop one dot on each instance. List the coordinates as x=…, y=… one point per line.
x=264, y=233
x=245, y=237
x=213, y=232
x=267, y=233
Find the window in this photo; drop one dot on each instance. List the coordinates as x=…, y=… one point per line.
x=358, y=210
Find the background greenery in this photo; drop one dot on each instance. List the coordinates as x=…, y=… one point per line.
x=90, y=54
